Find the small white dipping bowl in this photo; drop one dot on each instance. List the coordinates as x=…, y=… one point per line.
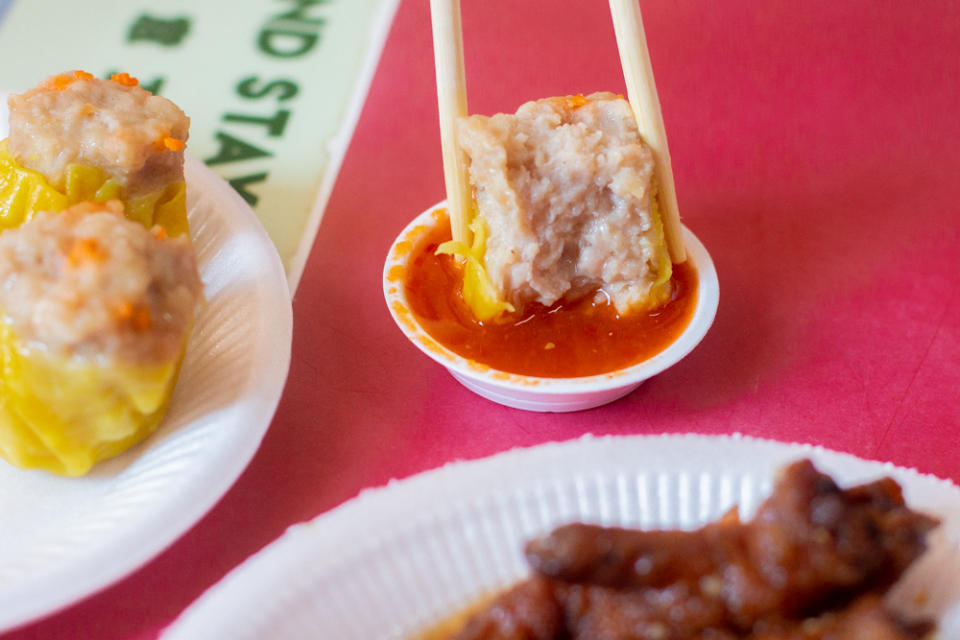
x=530, y=392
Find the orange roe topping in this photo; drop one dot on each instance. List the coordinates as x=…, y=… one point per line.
x=125, y=79
x=64, y=80
x=141, y=319
x=173, y=144
x=137, y=315
x=60, y=82
x=159, y=232
x=85, y=251
x=124, y=310
x=576, y=101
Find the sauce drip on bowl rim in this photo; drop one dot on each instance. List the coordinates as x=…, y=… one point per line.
x=566, y=340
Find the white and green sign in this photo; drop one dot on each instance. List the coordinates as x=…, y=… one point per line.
x=273, y=87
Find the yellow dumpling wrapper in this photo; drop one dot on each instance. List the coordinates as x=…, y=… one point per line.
x=65, y=414
x=482, y=297
x=660, y=289
x=478, y=290
x=23, y=192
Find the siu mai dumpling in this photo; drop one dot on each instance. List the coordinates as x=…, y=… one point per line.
x=76, y=138
x=565, y=193
x=95, y=311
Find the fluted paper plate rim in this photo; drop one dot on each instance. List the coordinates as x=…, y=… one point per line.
x=265, y=594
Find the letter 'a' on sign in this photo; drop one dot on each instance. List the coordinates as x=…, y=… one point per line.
x=234, y=150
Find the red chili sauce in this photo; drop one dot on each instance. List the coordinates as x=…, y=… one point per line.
x=565, y=340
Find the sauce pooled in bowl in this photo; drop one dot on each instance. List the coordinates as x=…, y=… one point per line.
x=567, y=339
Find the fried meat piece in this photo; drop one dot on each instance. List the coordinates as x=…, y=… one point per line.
x=673, y=613
x=788, y=574
x=865, y=618
x=529, y=611
x=539, y=609
x=810, y=546
x=601, y=613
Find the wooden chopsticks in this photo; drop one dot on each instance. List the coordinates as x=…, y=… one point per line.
x=452, y=99
x=641, y=92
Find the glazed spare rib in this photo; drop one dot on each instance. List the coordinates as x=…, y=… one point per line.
x=811, y=561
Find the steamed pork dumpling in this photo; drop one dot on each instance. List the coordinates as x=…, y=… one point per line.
x=566, y=194
x=132, y=135
x=94, y=315
x=76, y=138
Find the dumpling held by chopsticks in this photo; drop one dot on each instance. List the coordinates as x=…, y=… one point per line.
x=566, y=205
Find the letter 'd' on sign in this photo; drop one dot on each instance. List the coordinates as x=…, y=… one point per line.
x=292, y=33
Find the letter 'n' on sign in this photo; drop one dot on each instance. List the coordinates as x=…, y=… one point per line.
x=293, y=32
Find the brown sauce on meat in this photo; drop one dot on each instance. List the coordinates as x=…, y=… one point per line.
x=813, y=564
x=865, y=619
x=565, y=340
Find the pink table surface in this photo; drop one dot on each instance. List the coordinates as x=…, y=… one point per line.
x=816, y=147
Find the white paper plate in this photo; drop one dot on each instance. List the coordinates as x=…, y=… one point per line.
x=64, y=538
x=395, y=561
